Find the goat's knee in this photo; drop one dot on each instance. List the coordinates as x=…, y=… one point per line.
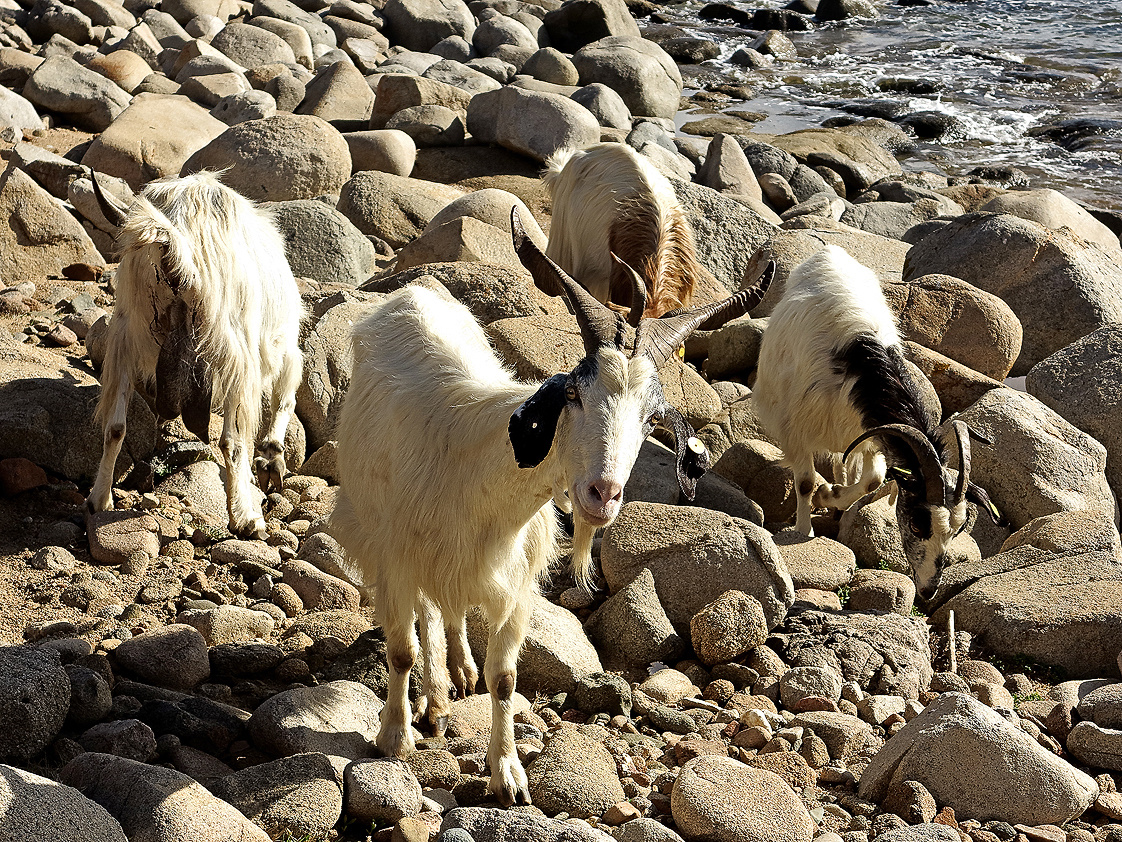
x=504, y=686
x=402, y=662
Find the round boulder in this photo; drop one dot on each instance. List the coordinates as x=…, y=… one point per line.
x=322, y=244
x=34, y=699
x=640, y=70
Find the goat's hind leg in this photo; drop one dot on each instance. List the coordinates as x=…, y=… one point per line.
x=806, y=479
x=868, y=479
x=433, y=704
x=101, y=495
x=461, y=665
x=246, y=519
x=270, y=466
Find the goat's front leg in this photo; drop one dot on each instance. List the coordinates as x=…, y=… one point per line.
x=508, y=779
x=465, y=674
x=805, y=482
x=869, y=479
x=101, y=495
x=270, y=466
x=395, y=611
x=434, y=702
x=246, y=520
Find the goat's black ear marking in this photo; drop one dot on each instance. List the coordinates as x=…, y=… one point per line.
x=693, y=457
x=533, y=424
x=978, y=496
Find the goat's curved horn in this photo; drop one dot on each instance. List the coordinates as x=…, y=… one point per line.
x=598, y=325
x=638, y=289
x=930, y=465
x=962, y=437
x=660, y=338
x=113, y=214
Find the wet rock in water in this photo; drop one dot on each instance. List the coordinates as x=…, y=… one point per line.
x=34, y=804
x=574, y=774
x=301, y=794
x=972, y=760
x=934, y=125
x=152, y=802
x=722, y=799
x=34, y=699
x=173, y=656
x=339, y=718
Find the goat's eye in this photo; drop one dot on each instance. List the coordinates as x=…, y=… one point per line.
x=655, y=419
x=571, y=392
x=916, y=529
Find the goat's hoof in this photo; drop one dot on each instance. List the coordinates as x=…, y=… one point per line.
x=464, y=680
x=396, y=743
x=439, y=725
x=508, y=783
x=251, y=530
x=270, y=471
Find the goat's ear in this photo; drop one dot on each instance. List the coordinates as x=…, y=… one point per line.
x=693, y=457
x=977, y=495
x=533, y=424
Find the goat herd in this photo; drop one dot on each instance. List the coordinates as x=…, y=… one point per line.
x=452, y=471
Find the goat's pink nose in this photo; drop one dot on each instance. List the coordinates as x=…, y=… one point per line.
x=606, y=491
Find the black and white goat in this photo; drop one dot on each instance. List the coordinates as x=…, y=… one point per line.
x=832, y=378
x=448, y=468
x=609, y=199
x=207, y=311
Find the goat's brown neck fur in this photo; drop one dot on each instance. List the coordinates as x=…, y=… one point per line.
x=660, y=248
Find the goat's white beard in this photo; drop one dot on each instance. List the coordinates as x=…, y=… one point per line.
x=583, y=535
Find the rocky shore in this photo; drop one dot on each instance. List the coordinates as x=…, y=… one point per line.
x=730, y=680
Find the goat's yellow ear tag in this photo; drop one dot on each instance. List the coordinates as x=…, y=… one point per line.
x=681, y=352
x=696, y=445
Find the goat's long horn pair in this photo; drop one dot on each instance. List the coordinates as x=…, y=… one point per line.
x=930, y=466
x=660, y=338
x=638, y=291
x=962, y=438
x=113, y=214
x=598, y=324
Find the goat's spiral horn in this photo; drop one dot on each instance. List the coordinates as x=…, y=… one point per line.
x=638, y=290
x=598, y=324
x=930, y=466
x=113, y=214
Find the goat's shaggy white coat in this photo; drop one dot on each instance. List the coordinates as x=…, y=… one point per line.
x=435, y=511
x=608, y=198
x=196, y=240
x=806, y=403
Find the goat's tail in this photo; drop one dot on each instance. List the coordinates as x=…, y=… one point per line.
x=554, y=164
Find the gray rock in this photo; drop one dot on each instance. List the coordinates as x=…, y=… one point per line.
x=551, y=65
x=172, y=656
x=1103, y=706
x=631, y=626
x=1038, y=463
x=532, y=123
x=883, y=653
x=243, y=107
x=317, y=589
x=339, y=94
x=881, y=590
x=250, y=46
x=155, y=803
x=844, y=735
x=421, y=24
x=89, y=100
x=201, y=483
x=430, y=125
x=728, y=627
x=115, y=536
x=581, y=22
x=695, y=555
x=498, y=825
x=284, y=157
x=322, y=244
x=646, y=830
x=920, y=833
x=129, y=738
x=391, y=207
x=318, y=31
x=993, y=771
x=38, y=809
x=1053, y=209
x=398, y=91
x=496, y=31
x=1092, y=405
x=819, y=563
x=574, y=774
x=34, y=700
x=892, y=219
x=727, y=170
x=228, y=624
x=1020, y=261
x=855, y=156
x=555, y=655
x=141, y=143
x=384, y=150
x=641, y=72
x=382, y=790
x=1096, y=746
x=339, y=719
x=90, y=698
x=301, y=794
x=800, y=682
x=721, y=799
x=19, y=114
x=606, y=105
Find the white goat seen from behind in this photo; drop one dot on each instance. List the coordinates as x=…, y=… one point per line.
x=448, y=467
x=207, y=311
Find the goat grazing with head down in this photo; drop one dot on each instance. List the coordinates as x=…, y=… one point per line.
x=609, y=199
x=207, y=311
x=448, y=468
x=831, y=379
